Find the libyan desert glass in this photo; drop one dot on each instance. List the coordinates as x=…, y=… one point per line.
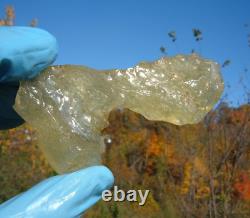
x=69, y=105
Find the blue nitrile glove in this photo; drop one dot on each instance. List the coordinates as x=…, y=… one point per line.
x=64, y=196
x=24, y=52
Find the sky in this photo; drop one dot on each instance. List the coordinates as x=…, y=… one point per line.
x=107, y=34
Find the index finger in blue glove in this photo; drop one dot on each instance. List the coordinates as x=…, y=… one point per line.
x=66, y=195
x=24, y=52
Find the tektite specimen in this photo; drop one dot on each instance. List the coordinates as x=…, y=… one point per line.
x=69, y=105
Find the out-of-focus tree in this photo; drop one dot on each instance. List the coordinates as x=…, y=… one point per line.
x=34, y=23
x=9, y=18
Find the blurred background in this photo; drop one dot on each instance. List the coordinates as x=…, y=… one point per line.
x=199, y=170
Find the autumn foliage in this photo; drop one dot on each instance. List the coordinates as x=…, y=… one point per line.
x=192, y=170
x=8, y=20
x=200, y=170
x=242, y=186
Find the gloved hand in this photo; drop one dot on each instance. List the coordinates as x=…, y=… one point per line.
x=24, y=52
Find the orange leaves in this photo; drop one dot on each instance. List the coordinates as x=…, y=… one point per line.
x=9, y=17
x=200, y=167
x=153, y=151
x=195, y=177
x=186, y=178
x=242, y=187
x=172, y=161
x=154, y=148
x=239, y=116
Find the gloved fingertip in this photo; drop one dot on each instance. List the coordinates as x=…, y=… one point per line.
x=26, y=51
x=67, y=195
x=100, y=175
x=105, y=176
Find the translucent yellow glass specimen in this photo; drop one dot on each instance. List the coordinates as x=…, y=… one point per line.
x=69, y=105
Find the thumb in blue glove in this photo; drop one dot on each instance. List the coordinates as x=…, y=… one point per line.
x=64, y=196
x=24, y=52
